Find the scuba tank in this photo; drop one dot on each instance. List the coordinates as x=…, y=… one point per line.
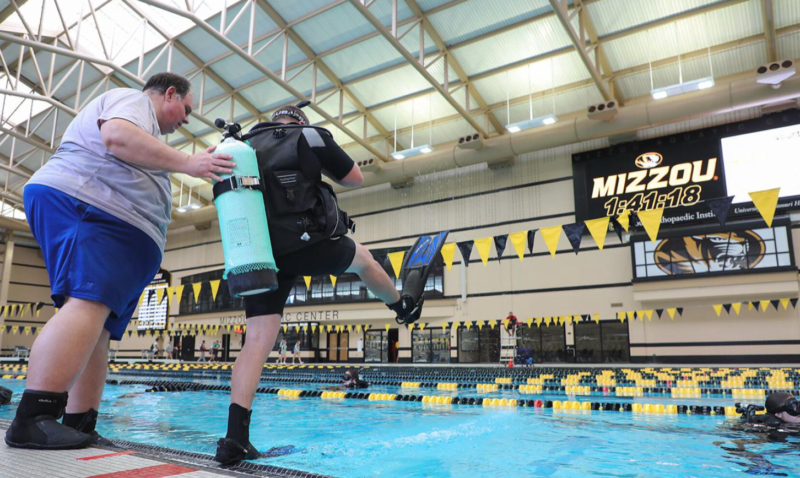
x=249, y=263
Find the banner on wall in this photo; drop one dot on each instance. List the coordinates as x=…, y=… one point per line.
x=681, y=171
x=686, y=254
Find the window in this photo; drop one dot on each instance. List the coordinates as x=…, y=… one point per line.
x=713, y=253
x=376, y=346
x=421, y=350
x=205, y=303
x=479, y=345
x=546, y=343
x=349, y=289
x=603, y=342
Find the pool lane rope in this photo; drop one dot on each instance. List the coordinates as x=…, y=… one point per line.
x=584, y=406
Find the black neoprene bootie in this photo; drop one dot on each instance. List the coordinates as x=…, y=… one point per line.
x=36, y=424
x=86, y=423
x=407, y=310
x=236, y=445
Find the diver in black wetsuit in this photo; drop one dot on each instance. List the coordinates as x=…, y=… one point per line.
x=352, y=380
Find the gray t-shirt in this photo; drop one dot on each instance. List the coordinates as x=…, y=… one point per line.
x=83, y=168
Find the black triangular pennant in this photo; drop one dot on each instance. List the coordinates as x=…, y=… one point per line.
x=500, y=244
x=720, y=208
x=659, y=312
x=466, y=249
x=680, y=311
x=775, y=303
x=727, y=308
x=130, y=332
x=39, y=306
x=794, y=302
x=586, y=317
x=531, y=233
x=574, y=233
x=617, y=228
x=8, y=329
x=753, y=305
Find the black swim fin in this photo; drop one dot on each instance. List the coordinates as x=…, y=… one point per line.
x=417, y=266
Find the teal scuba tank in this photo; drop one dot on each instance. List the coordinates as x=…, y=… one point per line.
x=249, y=263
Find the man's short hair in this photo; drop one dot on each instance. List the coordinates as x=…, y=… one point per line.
x=160, y=82
x=290, y=113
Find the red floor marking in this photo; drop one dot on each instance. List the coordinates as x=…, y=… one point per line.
x=158, y=471
x=97, y=457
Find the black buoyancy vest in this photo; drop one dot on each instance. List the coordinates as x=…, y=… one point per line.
x=301, y=208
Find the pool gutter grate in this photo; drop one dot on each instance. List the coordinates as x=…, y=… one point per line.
x=201, y=460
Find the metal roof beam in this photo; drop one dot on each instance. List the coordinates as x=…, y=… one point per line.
x=194, y=59
x=618, y=74
x=275, y=16
x=266, y=71
x=768, y=15
x=585, y=24
x=450, y=61
x=418, y=65
x=10, y=9
x=584, y=49
x=670, y=19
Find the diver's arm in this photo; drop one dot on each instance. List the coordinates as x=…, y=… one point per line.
x=353, y=179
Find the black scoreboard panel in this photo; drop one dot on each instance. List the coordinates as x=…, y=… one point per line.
x=678, y=172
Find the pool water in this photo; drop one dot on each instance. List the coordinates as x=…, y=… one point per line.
x=358, y=438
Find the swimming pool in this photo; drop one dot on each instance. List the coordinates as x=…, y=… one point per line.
x=359, y=438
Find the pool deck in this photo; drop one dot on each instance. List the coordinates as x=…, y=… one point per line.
x=130, y=461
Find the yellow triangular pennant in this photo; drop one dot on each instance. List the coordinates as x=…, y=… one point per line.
x=766, y=202
x=624, y=219
x=651, y=220
x=366, y=327
x=179, y=292
x=285, y=327
x=411, y=326
x=329, y=328
x=598, y=228
x=333, y=281
x=349, y=328
x=737, y=307
x=547, y=321
x=518, y=240
x=539, y=321
x=313, y=329
x=785, y=304
x=671, y=312
x=170, y=292
x=214, y=289
x=596, y=318
x=468, y=324
x=649, y=314
x=358, y=328
x=422, y=326
x=764, y=304
x=159, y=295
x=196, y=287
x=484, y=246
x=307, y=280
x=630, y=315
x=387, y=326
x=396, y=258
x=551, y=236
x=448, y=252
x=479, y=324
x=717, y=309
x=492, y=323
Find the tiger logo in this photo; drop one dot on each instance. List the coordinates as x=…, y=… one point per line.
x=649, y=160
x=725, y=251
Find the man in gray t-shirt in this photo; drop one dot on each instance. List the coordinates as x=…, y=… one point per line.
x=99, y=210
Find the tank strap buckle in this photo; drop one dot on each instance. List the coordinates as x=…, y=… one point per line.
x=236, y=182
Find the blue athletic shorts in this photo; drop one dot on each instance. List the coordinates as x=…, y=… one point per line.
x=91, y=254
